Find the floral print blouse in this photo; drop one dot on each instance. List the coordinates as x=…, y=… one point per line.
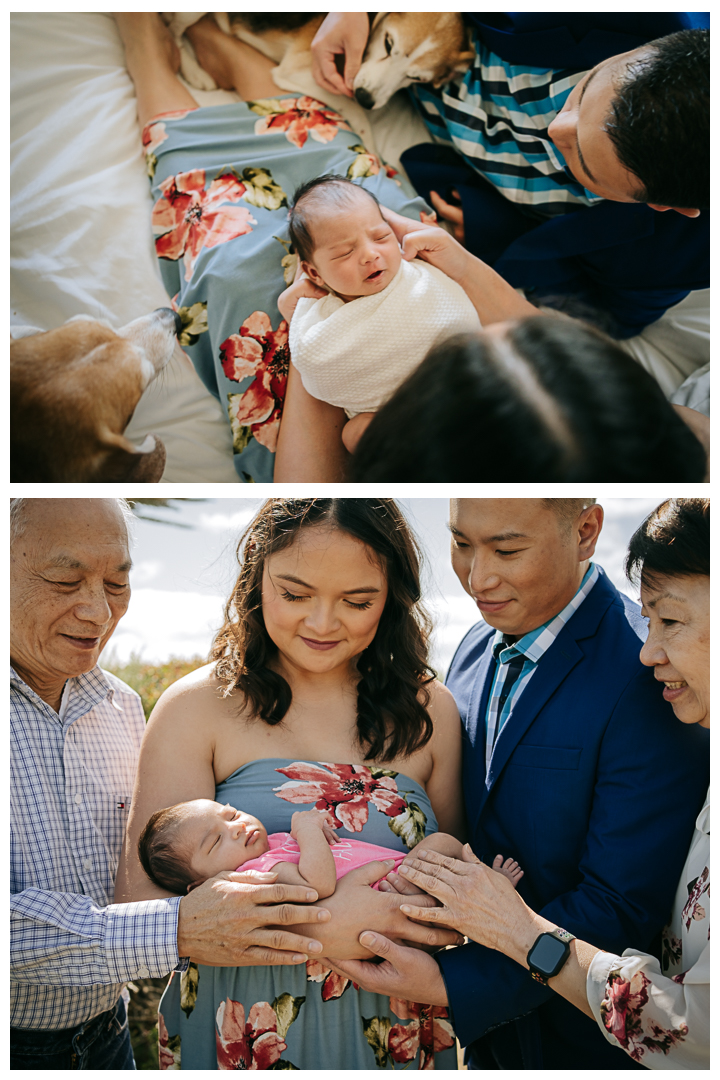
x=660, y=1014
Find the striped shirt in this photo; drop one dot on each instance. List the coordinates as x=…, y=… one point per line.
x=497, y=117
x=517, y=663
x=71, y=778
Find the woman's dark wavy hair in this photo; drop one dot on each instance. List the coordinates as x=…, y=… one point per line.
x=673, y=541
x=552, y=399
x=392, y=718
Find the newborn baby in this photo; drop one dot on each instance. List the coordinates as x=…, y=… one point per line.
x=382, y=314
x=184, y=845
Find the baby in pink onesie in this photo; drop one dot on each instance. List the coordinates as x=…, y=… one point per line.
x=186, y=844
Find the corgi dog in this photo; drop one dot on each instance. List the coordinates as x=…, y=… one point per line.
x=403, y=47
x=73, y=391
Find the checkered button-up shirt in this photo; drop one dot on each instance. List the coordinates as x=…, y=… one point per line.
x=71, y=782
x=517, y=663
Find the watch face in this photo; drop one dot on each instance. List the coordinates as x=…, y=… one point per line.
x=546, y=953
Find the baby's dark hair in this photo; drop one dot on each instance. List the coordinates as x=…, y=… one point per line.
x=337, y=189
x=163, y=857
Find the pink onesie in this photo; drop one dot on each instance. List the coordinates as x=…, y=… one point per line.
x=348, y=854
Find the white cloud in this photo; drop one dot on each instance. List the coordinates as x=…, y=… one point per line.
x=222, y=522
x=144, y=571
x=162, y=624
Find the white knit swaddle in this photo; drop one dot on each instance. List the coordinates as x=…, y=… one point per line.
x=356, y=355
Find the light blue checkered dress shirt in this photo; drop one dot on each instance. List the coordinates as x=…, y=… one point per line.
x=70, y=786
x=532, y=647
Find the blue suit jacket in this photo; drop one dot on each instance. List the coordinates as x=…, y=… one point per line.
x=594, y=789
x=626, y=261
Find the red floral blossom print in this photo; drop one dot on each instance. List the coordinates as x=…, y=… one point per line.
x=154, y=135
x=693, y=908
x=189, y=218
x=261, y=352
x=334, y=985
x=429, y=1031
x=255, y=1045
x=344, y=790
x=298, y=118
x=621, y=1012
x=168, y=1048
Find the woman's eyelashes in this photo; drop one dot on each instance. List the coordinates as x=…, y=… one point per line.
x=286, y=595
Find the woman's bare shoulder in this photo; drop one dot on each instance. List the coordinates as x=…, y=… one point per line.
x=200, y=690
x=441, y=704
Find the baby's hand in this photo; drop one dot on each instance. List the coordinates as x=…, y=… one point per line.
x=304, y=820
x=287, y=301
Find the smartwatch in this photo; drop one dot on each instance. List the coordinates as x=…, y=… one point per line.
x=548, y=955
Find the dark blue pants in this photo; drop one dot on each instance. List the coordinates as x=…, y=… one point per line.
x=100, y=1043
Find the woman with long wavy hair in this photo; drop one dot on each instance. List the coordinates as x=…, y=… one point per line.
x=319, y=693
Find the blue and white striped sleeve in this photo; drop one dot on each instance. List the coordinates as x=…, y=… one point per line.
x=65, y=939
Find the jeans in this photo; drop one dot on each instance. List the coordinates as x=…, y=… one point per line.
x=100, y=1043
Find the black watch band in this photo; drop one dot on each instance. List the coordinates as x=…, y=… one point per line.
x=548, y=954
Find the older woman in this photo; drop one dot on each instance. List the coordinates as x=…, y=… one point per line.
x=657, y=1011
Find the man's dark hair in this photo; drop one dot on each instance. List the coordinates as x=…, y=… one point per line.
x=336, y=189
x=660, y=121
x=673, y=541
x=163, y=859
x=550, y=400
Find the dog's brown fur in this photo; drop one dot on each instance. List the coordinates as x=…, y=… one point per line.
x=430, y=46
x=73, y=392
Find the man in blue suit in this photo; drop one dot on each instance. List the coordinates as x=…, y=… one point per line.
x=573, y=765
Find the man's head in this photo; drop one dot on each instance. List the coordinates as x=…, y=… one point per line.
x=636, y=128
x=342, y=239
x=69, y=567
x=522, y=560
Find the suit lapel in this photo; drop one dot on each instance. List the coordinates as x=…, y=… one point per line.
x=474, y=773
x=553, y=669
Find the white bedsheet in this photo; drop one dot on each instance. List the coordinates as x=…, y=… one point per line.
x=80, y=214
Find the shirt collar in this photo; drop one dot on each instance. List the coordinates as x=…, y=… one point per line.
x=86, y=691
x=536, y=642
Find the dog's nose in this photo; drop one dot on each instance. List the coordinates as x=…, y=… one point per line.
x=168, y=313
x=364, y=98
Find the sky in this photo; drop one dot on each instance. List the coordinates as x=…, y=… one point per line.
x=182, y=575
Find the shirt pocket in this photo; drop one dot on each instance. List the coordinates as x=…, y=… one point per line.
x=110, y=816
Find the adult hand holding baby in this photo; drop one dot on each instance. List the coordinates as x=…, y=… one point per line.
x=236, y=918
x=493, y=298
x=288, y=300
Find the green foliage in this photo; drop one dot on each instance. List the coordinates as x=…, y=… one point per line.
x=145, y=996
x=151, y=679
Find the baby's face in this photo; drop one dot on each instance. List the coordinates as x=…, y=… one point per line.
x=357, y=253
x=221, y=837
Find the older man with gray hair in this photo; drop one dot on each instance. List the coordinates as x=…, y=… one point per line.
x=75, y=738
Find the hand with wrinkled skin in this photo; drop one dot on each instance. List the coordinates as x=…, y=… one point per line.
x=476, y=900
x=343, y=33
x=405, y=973
x=356, y=907
x=238, y=919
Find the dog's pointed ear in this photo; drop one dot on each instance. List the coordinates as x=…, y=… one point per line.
x=458, y=65
x=123, y=460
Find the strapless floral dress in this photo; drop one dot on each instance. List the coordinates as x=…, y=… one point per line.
x=307, y=1017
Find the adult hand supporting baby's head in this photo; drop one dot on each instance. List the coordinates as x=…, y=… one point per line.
x=438, y=248
x=401, y=225
x=287, y=301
